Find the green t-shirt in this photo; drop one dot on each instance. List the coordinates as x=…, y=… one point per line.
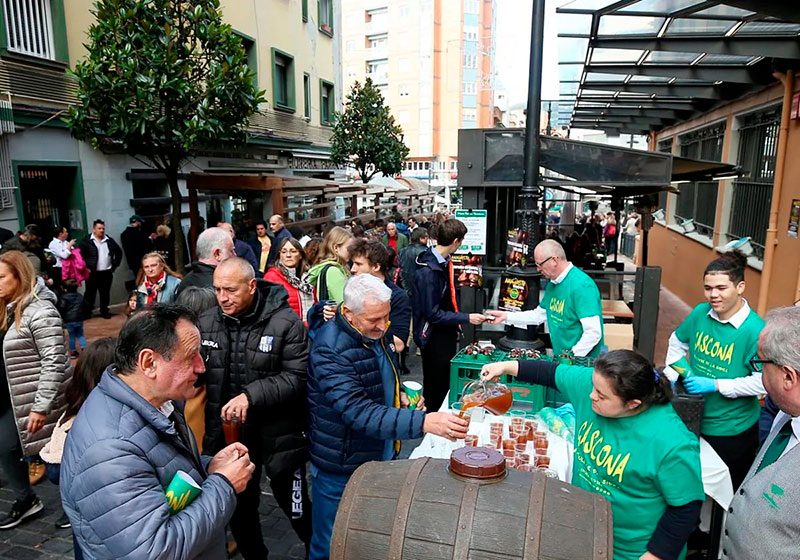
x=721, y=351
x=641, y=464
x=566, y=303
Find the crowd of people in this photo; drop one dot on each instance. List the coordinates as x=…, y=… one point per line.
x=283, y=349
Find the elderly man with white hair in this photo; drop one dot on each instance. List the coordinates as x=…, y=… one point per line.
x=570, y=305
x=358, y=411
x=214, y=245
x=763, y=520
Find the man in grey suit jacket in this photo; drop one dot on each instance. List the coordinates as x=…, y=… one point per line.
x=764, y=516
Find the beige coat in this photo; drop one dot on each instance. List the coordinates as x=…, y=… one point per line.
x=37, y=366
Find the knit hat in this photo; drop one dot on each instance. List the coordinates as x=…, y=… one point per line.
x=136, y=218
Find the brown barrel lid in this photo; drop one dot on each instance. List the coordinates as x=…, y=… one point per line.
x=477, y=462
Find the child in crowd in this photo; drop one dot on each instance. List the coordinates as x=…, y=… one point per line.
x=131, y=307
x=88, y=369
x=71, y=307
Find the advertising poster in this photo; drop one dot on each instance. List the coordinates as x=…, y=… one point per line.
x=517, y=248
x=475, y=240
x=468, y=270
x=794, y=218
x=513, y=294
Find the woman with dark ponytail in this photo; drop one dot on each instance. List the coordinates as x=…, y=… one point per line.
x=712, y=350
x=630, y=446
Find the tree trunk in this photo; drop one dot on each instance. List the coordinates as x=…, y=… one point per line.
x=177, y=200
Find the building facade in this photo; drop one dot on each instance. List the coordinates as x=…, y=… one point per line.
x=745, y=132
x=433, y=62
x=49, y=178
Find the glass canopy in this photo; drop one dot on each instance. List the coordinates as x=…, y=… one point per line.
x=641, y=65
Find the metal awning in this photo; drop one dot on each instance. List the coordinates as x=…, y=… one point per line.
x=632, y=66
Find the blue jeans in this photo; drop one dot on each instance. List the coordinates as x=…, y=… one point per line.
x=75, y=331
x=326, y=493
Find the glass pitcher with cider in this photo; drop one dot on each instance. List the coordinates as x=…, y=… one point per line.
x=494, y=397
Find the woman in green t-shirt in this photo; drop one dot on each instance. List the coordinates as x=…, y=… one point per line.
x=630, y=446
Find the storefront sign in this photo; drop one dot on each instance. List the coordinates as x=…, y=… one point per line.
x=475, y=241
x=296, y=162
x=794, y=218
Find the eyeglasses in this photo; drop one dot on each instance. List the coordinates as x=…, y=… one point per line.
x=756, y=365
x=541, y=264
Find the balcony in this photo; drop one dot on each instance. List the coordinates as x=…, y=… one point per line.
x=379, y=78
x=377, y=26
x=376, y=53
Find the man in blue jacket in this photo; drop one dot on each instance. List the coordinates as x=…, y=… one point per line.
x=356, y=408
x=129, y=441
x=437, y=319
x=369, y=256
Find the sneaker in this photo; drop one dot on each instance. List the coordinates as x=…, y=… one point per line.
x=63, y=522
x=21, y=510
x=73, y=354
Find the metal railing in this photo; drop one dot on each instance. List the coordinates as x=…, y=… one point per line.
x=29, y=27
x=698, y=202
x=752, y=194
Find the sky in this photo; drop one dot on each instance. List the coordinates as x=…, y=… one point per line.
x=512, y=48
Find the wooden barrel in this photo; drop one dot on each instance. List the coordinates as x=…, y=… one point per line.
x=418, y=510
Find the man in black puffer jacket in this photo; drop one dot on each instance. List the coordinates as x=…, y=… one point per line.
x=256, y=354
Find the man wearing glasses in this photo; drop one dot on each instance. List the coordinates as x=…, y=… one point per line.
x=570, y=305
x=762, y=519
x=719, y=337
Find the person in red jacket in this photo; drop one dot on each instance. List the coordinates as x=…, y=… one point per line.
x=289, y=271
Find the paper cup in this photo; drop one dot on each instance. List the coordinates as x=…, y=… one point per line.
x=181, y=491
x=413, y=392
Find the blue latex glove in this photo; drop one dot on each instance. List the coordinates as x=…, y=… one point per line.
x=698, y=385
x=565, y=410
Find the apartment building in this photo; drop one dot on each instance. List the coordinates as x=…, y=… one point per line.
x=433, y=62
x=49, y=178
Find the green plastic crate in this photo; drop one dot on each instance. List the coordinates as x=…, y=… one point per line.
x=465, y=369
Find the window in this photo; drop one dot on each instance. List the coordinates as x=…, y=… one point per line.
x=29, y=27
x=250, y=51
x=453, y=165
x=470, y=61
x=402, y=91
x=427, y=165
x=470, y=33
x=402, y=11
x=470, y=88
x=471, y=6
x=325, y=16
x=664, y=146
x=326, y=102
x=698, y=201
x=468, y=115
x=752, y=193
x=377, y=41
x=351, y=45
x=283, y=80
x=306, y=95
x=305, y=10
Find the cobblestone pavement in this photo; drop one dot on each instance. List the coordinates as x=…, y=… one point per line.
x=40, y=539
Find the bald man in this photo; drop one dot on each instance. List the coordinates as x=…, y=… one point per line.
x=242, y=249
x=279, y=231
x=570, y=305
x=256, y=352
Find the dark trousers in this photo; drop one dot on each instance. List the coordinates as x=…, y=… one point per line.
x=98, y=281
x=442, y=345
x=291, y=492
x=12, y=463
x=738, y=452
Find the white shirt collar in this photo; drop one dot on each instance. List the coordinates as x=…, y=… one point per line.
x=167, y=408
x=736, y=319
x=560, y=278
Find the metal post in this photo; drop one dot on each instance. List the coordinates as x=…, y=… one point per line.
x=529, y=194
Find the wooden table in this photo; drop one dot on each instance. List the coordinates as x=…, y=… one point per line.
x=616, y=308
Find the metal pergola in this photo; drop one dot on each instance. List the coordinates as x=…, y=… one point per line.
x=634, y=66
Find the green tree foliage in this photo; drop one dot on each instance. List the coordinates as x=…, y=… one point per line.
x=366, y=136
x=162, y=79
